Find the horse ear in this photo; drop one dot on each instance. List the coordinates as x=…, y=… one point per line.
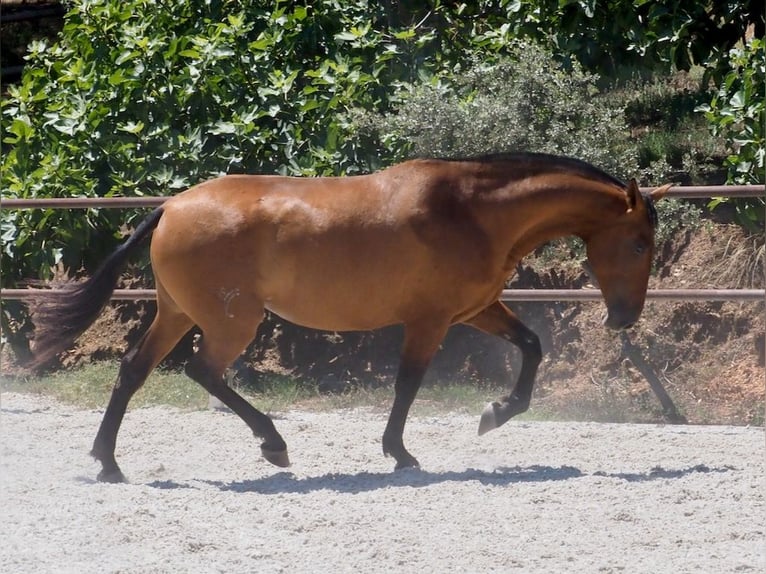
x=659, y=192
x=634, y=195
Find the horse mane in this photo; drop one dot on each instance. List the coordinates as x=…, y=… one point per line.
x=651, y=210
x=535, y=162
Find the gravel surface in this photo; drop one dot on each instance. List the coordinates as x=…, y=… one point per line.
x=531, y=497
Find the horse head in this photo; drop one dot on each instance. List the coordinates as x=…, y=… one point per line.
x=620, y=256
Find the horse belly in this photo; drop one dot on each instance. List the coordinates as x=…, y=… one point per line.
x=336, y=302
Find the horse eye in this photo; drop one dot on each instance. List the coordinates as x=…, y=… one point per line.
x=639, y=249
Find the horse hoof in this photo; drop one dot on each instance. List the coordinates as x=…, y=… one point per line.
x=488, y=419
x=276, y=457
x=112, y=477
x=411, y=462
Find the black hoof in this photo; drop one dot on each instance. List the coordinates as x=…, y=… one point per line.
x=276, y=457
x=411, y=462
x=112, y=476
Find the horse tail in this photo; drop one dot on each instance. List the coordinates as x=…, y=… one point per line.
x=62, y=315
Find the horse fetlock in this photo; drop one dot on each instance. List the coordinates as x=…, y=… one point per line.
x=395, y=448
x=110, y=471
x=391, y=445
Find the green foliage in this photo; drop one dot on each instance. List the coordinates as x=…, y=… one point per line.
x=673, y=139
x=145, y=98
x=524, y=102
x=737, y=113
x=609, y=36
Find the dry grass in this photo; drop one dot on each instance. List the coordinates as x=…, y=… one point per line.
x=741, y=263
x=90, y=387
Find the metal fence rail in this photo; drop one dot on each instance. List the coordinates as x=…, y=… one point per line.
x=681, y=192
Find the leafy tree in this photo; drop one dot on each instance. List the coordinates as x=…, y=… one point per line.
x=737, y=113
x=642, y=35
x=139, y=97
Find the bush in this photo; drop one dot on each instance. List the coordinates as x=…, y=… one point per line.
x=615, y=38
x=524, y=102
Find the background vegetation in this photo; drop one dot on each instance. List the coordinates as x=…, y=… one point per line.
x=136, y=97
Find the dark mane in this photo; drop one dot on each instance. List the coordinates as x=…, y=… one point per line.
x=539, y=162
x=533, y=162
x=651, y=210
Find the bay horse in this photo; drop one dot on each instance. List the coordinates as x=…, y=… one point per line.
x=427, y=243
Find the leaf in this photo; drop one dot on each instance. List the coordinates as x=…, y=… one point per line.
x=21, y=129
x=345, y=37
x=117, y=78
x=125, y=56
x=192, y=53
x=131, y=127
x=68, y=126
x=405, y=34
x=738, y=100
x=300, y=13
x=223, y=127
x=260, y=44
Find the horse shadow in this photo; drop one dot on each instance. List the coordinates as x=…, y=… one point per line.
x=348, y=483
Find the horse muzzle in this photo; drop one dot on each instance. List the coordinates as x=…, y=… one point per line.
x=619, y=321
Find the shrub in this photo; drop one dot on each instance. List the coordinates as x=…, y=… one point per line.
x=524, y=102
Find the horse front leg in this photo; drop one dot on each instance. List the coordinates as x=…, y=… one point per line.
x=420, y=344
x=499, y=320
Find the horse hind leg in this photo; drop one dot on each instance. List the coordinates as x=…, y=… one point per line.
x=221, y=344
x=164, y=333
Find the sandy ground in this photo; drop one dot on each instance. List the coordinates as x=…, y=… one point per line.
x=532, y=497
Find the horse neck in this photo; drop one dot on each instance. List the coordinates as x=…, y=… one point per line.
x=532, y=212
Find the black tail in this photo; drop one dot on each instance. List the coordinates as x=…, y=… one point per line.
x=62, y=315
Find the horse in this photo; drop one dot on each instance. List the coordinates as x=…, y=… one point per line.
x=427, y=244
